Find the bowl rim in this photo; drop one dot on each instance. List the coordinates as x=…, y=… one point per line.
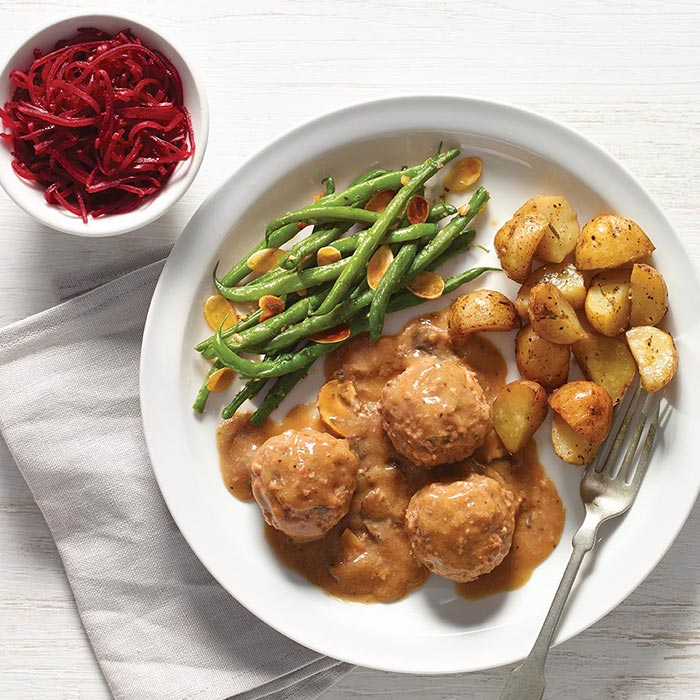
x=147, y=215
x=531, y=121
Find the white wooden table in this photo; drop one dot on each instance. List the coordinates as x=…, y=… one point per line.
x=625, y=74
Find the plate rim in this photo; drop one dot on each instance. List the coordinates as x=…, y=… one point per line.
x=301, y=127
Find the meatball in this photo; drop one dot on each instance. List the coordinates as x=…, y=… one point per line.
x=435, y=412
x=303, y=481
x=463, y=529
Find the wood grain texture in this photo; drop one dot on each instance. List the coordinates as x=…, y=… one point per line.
x=626, y=74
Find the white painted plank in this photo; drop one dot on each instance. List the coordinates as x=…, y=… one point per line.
x=627, y=74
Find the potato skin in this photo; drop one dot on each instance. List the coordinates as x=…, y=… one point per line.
x=609, y=241
x=552, y=316
x=516, y=242
x=655, y=354
x=563, y=230
x=586, y=407
x=564, y=276
x=648, y=296
x=569, y=446
x=518, y=410
x=481, y=310
x=541, y=361
x=607, y=362
x=608, y=303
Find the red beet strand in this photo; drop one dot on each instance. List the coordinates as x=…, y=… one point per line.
x=99, y=122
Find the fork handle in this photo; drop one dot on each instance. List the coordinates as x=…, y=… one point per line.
x=527, y=681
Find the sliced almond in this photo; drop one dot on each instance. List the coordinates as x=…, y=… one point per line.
x=270, y=306
x=417, y=210
x=405, y=179
x=463, y=174
x=378, y=264
x=265, y=260
x=220, y=380
x=218, y=311
x=426, y=285
x=327, y=255
x=380, y=201
x=332, y=335
x=338, y=407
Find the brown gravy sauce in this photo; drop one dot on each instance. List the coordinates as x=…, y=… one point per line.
x=367, y=556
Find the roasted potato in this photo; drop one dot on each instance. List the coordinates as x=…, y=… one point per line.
x=552, y=316
x=608, y=303
x=655, y=354
x=586, y=407
x=562, y=231
x=541, y=361
x=481, y=310
x=564, y=276
x=516, y=241
x=569, y=445
x=648, y=295
x=609, y=241
x=607, y=362
x=517, y=412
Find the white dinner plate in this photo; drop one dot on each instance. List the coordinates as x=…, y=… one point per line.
x=432, y=630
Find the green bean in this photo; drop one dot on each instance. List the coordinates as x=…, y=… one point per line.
x=268, y=329
x=311, y=244
x=330, y=235
x=284, y=364
x=442, y=241
x=277, y=394
x=369, y=175
x=360, y=190
x=342, y=313
x=439, y=211
x=406, y=300
x=363, y=191
x=294, y=361
x=305, y=279
x=401, y=235
x=390, y=281
x=322, y=235
x=351, y=306
x=326, y=234
x=291, y=281
x=372, y=238
x=323, y=214
x=250, y=320
x=316, y=324
x=250, y=389
x=259, y=333
x=241, y=269
x=349, y=243
x=282, y=236
x=200, y=400
x=461, y=244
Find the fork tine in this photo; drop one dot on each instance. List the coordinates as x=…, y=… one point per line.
x=645, y=456
x=634, y=440
x=628, y=412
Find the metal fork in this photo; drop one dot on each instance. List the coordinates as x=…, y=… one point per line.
x=606, y=492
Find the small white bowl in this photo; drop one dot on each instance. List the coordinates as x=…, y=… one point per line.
x=31, y=197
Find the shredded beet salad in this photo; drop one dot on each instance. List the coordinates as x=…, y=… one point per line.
x=99, y=122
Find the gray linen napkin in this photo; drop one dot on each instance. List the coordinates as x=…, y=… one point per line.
x=160, y=626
